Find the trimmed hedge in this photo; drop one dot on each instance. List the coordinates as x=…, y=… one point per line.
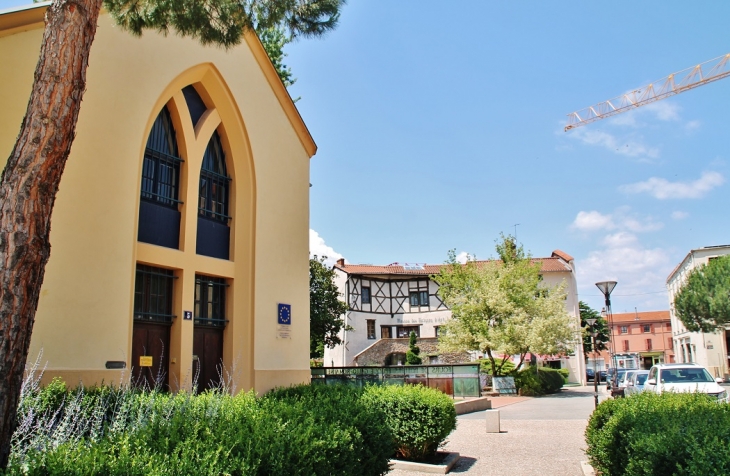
x=545, y=380
x=419, y=418
x=649, y=434
x=302, y=430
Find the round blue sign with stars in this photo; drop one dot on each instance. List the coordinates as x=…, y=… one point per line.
x=284, y=314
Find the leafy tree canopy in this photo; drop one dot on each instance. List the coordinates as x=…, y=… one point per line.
x=703, y=302
x=325, y=308
x=503, y=306
x=600, y=326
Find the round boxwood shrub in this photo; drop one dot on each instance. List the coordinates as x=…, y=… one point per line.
x=649, y=434
x=419, y=418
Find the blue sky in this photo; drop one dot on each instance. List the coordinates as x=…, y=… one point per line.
x=440, y=125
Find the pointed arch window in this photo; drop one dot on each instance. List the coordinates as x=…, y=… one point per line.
x=214, y=182
x=214, y=232
x=161, y=168
x=159, y=217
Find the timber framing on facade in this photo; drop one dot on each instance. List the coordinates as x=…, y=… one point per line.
x=386, y=303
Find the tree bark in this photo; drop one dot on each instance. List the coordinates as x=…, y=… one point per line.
x=28, y=189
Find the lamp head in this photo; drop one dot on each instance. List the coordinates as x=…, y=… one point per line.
x=591, y=322
x=606, y=287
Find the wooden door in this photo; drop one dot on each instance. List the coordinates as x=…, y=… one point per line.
x=150, y=340
x=207, y=356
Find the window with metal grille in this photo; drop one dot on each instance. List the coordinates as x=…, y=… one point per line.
x=153, y=294
x=161, y=166
x=624, y=330
x=418, y=298
x=210, y=301
x=647, y=328
x=214, y=182
x=626, y=345
x=371, y=328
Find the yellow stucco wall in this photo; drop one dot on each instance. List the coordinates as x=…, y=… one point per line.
x=85, y=312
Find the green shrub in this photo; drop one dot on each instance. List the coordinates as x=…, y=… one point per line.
x=485, y=367
x=419, y=418
x=412, y=357
x=565, y=373
x=121, y=431
x=541, y=382
x=649, y=434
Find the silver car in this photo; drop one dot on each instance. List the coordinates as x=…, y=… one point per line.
x=636, y=382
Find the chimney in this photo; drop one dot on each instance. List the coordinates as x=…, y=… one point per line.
x=341, y=262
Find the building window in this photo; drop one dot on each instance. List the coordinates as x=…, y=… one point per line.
x=626, y=345
x=670, y=343
x=404, y=332
x=437, y=331
x=161, y=166
x=624, y=329
x=647, y=328
x=418, y=298
x=371, y=328
x=214, y=182
x=385, y=332
x=210, y=301
x=365, y=295
x=153, y=294
x=648, y=344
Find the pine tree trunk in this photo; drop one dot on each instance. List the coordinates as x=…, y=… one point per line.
x=28, y=189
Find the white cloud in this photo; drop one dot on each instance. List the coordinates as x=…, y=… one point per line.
x=692, y=126
x=663, y=189
x=463, y=257
x=628, y=146
x=640, y=272
x=662, y=111
x=621, y=219
x=317, y=247
x=592, y=221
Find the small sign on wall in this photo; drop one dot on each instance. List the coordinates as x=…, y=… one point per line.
x=187, y=315
x=283, y=320
x=145, y=361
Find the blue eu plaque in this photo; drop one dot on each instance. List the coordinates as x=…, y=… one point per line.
x=284, y=316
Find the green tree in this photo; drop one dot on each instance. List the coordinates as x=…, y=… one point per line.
x=600, y=326
x=33, y=171
x=326, y=311
x=502, y=307
x=412, y=357
x=703, y=302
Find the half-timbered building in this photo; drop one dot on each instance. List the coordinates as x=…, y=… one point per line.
x=387, y=303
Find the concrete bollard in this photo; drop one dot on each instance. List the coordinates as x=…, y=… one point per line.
x=492, y=417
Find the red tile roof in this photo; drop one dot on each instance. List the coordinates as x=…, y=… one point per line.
x=645, y=316
x=554, y=264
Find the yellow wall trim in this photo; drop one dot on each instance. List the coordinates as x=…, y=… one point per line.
x=291, y=111
x=23, y=19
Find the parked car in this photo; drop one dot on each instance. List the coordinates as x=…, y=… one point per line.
x=684, y=378
x=635, y=383
x=613, y=382
x=624, y=382
x=591, y=373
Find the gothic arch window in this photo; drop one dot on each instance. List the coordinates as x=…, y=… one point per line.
x=213, y=205
x=159, y=218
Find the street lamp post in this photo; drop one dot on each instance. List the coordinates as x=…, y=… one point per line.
x=606, y=288
x=591, y=323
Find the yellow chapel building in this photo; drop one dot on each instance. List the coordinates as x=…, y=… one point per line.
x=180, y=231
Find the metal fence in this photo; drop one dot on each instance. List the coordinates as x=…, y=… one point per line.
x=460, y=380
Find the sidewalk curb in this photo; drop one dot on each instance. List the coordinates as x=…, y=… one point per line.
x=587, y=469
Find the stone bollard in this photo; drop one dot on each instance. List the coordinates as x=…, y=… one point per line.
x=492, y=417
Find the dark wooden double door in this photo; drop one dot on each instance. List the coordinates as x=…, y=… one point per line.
x=208, y=356
x=150, y=342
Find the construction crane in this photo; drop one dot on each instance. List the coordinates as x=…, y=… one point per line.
x=675, y=83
